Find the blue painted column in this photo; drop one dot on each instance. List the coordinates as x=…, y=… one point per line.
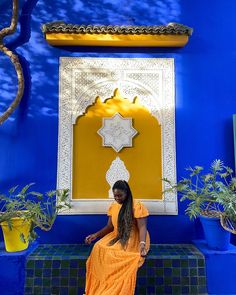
x=220, y=269
x=12, y=270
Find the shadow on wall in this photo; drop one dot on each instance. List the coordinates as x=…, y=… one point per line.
x=40, y=61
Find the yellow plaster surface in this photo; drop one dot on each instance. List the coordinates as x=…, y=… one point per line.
x=91, y=160
x=120, y=40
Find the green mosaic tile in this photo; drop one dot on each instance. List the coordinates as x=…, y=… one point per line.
x=73, y=291
x=159, y=289
x=168, y=280
x=81, y=282
x=176, y=290
x=30, y=264
x=201, y=263
x=176, y=271
x=29, y=282
x=73, y=272
x=38, y=272
x=142, y=271
x=167, y=262
x=37, y=291
x=55, y=290
x=193, y=271
x=201, y=280
x=46, y=282
x=193, y=289
x=82, y=263
x=47, y=264
x=184, y=280
x=65, y=263
x=141, y=290
x=55, y=272
x=150, y=263
x=64, y=281
x=160, y=271
x=184, y=263
x=150, y=281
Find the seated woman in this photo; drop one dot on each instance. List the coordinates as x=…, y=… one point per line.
x=112, y=266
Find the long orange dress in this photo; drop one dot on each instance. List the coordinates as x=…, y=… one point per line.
x=112, y=270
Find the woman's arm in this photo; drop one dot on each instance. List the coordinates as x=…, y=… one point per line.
x=101, y=233
x=142, y=227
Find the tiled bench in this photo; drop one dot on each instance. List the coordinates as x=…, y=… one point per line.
x=172, y=269
x=169, y=269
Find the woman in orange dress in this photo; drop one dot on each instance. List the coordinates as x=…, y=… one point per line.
x=112, y=266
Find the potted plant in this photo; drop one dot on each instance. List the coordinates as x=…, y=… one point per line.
x=22, y=211
x=212, y=197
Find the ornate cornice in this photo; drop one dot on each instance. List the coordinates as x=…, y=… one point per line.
x=62, y=34
x=170, y=29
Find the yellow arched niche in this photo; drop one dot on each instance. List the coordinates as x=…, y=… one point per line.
x=91, y=160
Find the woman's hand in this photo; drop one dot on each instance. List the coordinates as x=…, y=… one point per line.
x=143, y=251
x=89, y=239
x=142, y=227
x=101, y=233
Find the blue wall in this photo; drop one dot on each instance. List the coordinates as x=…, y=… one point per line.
x=205, y=94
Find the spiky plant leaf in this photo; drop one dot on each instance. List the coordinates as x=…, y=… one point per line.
x=25, y=188
x=13, y=189
x=217, y=165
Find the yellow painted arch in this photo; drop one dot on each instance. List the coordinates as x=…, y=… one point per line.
x=91, y=160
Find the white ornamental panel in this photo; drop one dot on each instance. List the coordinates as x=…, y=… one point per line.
x=82, y=80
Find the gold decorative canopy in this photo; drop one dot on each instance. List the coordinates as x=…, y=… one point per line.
x=62, y=34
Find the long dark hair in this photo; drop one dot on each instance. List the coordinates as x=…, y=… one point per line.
x=126, y=216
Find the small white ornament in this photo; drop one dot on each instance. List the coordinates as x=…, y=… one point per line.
x=117, y=171
x=117, y=132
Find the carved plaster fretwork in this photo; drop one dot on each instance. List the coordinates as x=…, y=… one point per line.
x=83, y=79
x=117, y=132
x=117, y=171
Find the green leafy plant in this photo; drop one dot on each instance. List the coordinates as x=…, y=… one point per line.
x=211, y=194
x=40, y=209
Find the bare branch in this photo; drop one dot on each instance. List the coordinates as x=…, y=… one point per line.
x=10, y=30
x=14, y=59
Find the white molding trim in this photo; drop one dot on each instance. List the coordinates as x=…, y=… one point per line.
x=83, y=79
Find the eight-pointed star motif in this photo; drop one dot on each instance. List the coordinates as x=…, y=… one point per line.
x=117, y=132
